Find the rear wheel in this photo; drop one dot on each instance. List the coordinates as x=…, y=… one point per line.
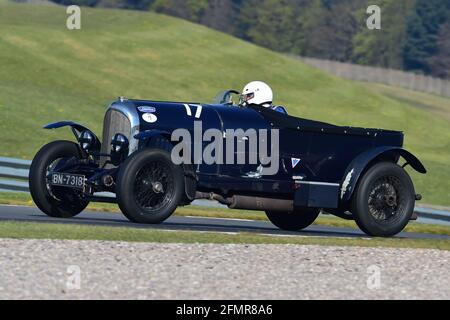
x=384, y=200
x=150, y=186
x=293, y=221
x=56, y=202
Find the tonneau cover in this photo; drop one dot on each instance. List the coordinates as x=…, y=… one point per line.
x=286, y=121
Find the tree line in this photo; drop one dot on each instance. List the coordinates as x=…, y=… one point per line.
x=414, y=34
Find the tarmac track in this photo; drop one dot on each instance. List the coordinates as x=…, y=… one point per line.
x=32, y=214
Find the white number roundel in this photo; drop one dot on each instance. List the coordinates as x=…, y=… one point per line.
x=149, y=117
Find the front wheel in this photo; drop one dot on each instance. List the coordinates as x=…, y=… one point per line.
x=384, y=200
x=58, y=202
x=295, y=220
x=149, y=186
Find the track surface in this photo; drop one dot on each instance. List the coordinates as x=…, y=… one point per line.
x=32, y=214
x=39, y=269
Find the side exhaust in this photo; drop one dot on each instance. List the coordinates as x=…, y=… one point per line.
x=250, y=203
x=257, y=203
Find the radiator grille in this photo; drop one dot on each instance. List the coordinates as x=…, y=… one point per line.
x=115, y=122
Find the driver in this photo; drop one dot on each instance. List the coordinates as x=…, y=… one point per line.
x=259, y=93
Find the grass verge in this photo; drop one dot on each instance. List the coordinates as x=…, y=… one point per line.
x=196, y=211
x=15, y=230
x=49, y=73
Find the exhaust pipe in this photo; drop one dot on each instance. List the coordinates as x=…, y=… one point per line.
x=108, y=181
x=250, y=203
x=263, y=204
x=213, y=196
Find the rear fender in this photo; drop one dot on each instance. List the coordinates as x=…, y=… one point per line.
x=363, y=161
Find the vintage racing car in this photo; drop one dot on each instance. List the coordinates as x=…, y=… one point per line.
x=353, y=173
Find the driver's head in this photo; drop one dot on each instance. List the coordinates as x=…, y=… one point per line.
x=257, y=92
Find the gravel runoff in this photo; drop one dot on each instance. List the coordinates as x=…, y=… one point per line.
x=47, y=269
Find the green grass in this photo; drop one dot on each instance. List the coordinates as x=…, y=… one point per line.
x=438, y=105
x=14, y=230
x=197, y=211
x=49, y=73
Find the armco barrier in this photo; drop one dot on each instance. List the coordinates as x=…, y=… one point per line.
x=14, y=177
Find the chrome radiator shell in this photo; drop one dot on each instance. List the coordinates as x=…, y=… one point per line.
x=120, y=118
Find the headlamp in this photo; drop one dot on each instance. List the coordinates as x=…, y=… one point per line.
x=119, y=148
x=86, y=140
x=119, y=143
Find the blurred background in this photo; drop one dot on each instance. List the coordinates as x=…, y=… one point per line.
x=318, y=55
x=415, y=34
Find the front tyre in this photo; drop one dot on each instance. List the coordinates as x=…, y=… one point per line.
x=293, y=221
x=384, y=200
x=149, y=186
x=55, y=202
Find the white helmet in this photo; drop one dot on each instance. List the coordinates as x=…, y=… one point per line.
x=256, y=92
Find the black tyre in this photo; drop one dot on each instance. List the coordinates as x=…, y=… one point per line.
x=149, y=186
x=56, y=202
x=384, y=200
x=293, y=221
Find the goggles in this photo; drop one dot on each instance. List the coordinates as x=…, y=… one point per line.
x=243, y=98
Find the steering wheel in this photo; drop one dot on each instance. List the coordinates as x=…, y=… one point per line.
x=226, y=98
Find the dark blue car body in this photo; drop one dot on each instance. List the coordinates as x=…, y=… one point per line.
x=320, y=164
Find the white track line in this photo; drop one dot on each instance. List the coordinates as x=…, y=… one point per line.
x=100, y=212
x=227, y=219
x=16, y=206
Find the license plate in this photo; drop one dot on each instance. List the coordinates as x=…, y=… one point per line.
x=68, y=180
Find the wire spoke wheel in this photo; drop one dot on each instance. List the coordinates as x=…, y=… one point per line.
x=383, y=201
x=149, y=186
x=57, y=193
x=48, y=185
x=386, y=199
x=153, y=186
x=55, y=201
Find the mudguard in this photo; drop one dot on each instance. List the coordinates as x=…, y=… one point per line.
x=75, y=127
x=149, y=134
x=61, y=124
x=362, y=161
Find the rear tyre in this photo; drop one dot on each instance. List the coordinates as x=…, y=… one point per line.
x=58, y=202
x=293, y=221
x=384, y=200
x=149, y=186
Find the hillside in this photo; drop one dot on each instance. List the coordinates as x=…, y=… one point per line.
x=414, y=37
x=49, y=73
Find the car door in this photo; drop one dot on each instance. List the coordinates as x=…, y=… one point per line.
x=242, y=141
